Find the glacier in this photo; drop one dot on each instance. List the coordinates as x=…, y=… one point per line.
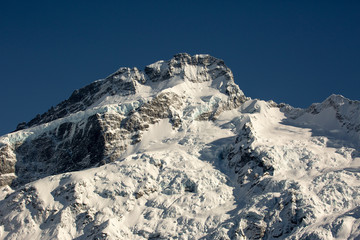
x=177, y=151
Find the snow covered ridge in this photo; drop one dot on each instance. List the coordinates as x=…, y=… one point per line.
x=130, y=82
x=178, y=152
x=99, y=122
x=337, y=116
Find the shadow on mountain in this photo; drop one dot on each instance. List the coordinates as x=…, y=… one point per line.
x=66, y=148
x=332, y=138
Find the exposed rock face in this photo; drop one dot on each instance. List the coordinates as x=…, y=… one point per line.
x=69, y=147
x=7, y=164
x=162, y=106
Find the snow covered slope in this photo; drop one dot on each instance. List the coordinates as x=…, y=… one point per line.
x=178, y=152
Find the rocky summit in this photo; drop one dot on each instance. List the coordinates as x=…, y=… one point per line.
x=177, y=151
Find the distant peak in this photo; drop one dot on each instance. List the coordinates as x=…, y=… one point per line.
x=334, y=100
x=337, y=98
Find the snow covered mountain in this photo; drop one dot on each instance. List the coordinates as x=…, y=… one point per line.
x=177, y=151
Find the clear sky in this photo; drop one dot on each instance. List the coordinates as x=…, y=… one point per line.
x=298, y=52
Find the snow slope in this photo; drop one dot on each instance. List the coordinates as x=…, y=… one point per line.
x=297, y=183
x=187, y=156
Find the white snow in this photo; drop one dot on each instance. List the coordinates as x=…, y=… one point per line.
x=178, y=183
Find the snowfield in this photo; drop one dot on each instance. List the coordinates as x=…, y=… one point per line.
x=186, y=156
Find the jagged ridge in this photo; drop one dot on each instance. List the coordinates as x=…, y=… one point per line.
x=111, y=125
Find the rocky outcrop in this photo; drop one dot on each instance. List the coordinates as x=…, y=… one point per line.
x=7, y=164
x=162, y=106
x=69, y=147
x=198, y=68
x=247, y=163
x=122, y=82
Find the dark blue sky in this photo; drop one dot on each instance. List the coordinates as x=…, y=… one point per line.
x=298, y=52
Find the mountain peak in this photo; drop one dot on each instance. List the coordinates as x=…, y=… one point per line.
x=131, y=81
x=198, y=87
x=197, y=68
